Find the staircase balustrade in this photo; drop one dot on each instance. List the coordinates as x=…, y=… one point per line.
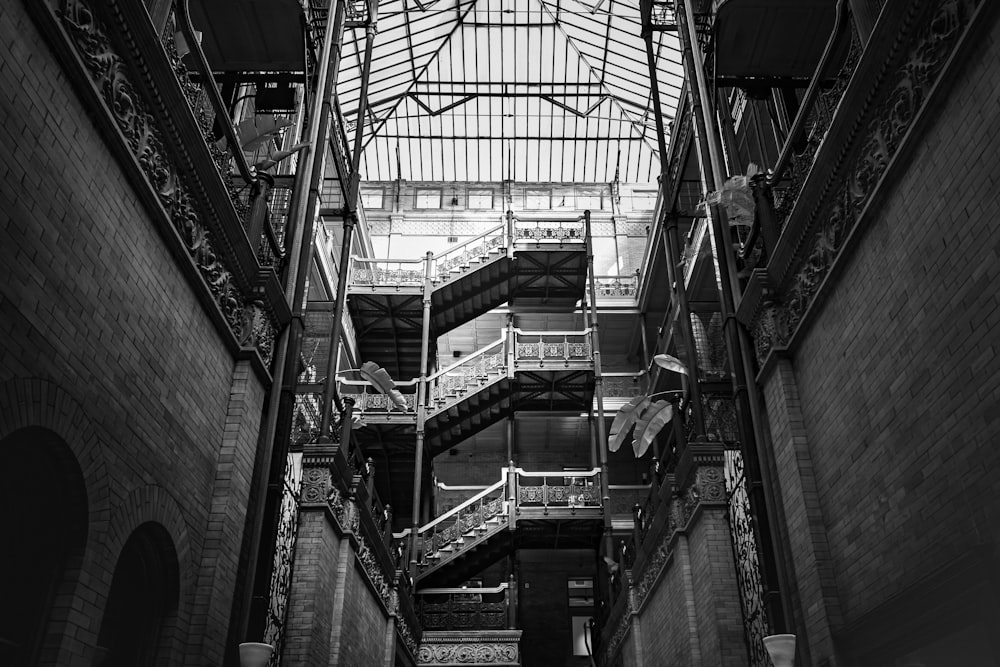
x=616, y=287
x=459, y=258
x=465, y=608
x=451, y=384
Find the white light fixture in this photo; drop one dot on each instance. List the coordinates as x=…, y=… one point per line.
x=781, y=648
x=254, y=654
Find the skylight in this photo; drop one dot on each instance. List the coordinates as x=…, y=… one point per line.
x=523, y=90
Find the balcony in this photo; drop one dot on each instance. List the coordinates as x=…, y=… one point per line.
x=223, y=223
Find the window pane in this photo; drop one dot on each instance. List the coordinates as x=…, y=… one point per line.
x=371, y=199
x=537, y=199
x=480, y=199
x=643, y=200
x=588, y=200
x=428, y=198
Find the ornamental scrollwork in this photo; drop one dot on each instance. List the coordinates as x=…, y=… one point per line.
x=109, y=73
x=374, y=571
x=884, y=135
x=472, y=653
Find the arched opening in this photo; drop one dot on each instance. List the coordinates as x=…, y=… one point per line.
x=43, y=511
x=142, y=604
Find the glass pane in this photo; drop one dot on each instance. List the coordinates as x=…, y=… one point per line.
x=427, y=198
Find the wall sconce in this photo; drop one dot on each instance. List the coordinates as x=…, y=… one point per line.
x=253, y=654
x=781, y=648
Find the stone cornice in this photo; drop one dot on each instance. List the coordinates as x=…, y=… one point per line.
x=898, y=74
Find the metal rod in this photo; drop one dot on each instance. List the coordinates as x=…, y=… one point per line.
x=808, y=98
x=418, y=457
x=276, y=430
x=330, y=385
x=359, y=132
x=749, y=412
x=671, y=242
x=602, y=433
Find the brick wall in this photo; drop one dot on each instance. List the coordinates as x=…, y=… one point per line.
x=664, y=619
x=363, y=629
x=898, y=375
x=97, y=320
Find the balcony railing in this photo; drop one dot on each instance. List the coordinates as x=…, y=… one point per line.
x=376, y=273
x=467, y=608
x=617, y=287
x=777, y=193
x=547, y=491
x=551, y=349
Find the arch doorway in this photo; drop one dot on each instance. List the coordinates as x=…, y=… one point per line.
x=142, y=604
x=43, y=512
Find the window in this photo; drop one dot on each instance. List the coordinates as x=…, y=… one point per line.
x=589, y=200
x=562, y=200
x=581, y=592
x=537, y=199
x=482, y=199
x=371, y=199
x=643, y=200
x=428, y=198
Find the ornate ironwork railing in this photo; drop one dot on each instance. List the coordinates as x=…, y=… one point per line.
x=370, y=402
x=448, y=530
x=549, y=230
x=452, y=383
x=548, y=490
x=745, y=552
x=464, y=608
x=776, y=195
x=551, y=347
x=517, y=492
x=387, y=272
x=460, y=257
x=623, y=385
x=611, y=287
x=199, y=98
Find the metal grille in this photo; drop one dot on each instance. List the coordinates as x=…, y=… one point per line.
x=284, y=555
x=745, y=552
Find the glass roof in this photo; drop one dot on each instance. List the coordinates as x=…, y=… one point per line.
x=526, y=90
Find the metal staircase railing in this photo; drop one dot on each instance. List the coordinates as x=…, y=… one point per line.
x=451, y=384
x=519, y=494
x=460, y=258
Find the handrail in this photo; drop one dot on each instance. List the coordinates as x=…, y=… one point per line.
x=205, y=72
x=462, y=362
x=809, y=97
x=581, y=332
x=455, y=510
x=448, y=591
x=593, y=472
x=459, y=246
x=517, y=218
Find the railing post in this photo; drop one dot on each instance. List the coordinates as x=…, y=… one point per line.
x=510, y=233
x=761, y=189
x=511, y=346
x=258, y=210
x=370, y=476
x=345, y=427
x=418, y=462
x=511, y=602
x=595, y=346
x=511, y=495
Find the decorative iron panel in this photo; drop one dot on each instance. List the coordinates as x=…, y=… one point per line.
x=284, y=556
x=745, y=552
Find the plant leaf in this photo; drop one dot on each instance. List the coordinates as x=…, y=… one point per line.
x=660, y=414
x=624, y=421
x=278, y=156
x=670, y=363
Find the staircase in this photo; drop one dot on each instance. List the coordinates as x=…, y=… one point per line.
x=523, y=509
x=532, y=265
x=521, y=370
